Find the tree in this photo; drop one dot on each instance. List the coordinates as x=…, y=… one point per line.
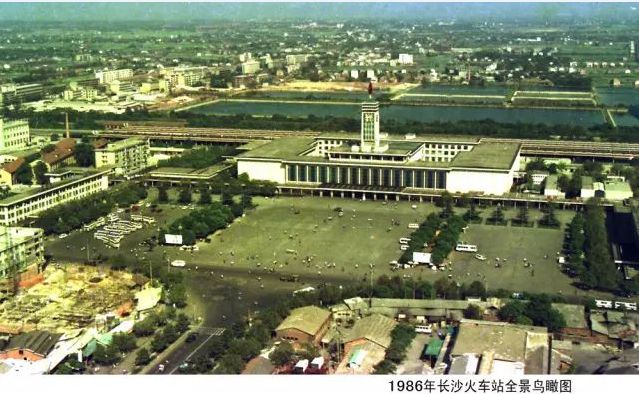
x=522, y=215
x=247, y=201
x=144, y=328
x=163, y=194
x=217, y=347
x=385, y=367
x=231, y=364
x=473, y=312
x=24, y=174
x=511, y=311
x=84, y=155
x=282, y=354
x=48, y=148
x=182, y=323
x=159, y=342
x=497, y=215
x=106, y=355
x=471, y=215
x=55, y=137
x=124, y=342
x=476, y=289
x=549, y=219
x=226, y=198
x=39, y=170
x=447, y=204
x=205, y=196
x=142, y=357
x=245, y=348
x=185, y=196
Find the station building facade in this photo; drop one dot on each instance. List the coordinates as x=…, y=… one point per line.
x=374, y=161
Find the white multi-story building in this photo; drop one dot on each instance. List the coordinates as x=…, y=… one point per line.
x=126, y=157
x=250, y=67
x=296, y=59
x=20, y=249
x=14, y=134
x=27, y=204
x=405, y=59
x=113, y=75
x=374, y=163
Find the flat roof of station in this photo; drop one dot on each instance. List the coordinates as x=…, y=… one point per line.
x=487, y=155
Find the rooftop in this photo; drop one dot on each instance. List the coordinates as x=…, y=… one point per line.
x=123, y=144
x=618, y=186
x=308, y=319
x=32, y=191
x=375, y=328
x=551, y=181
x=39, y=342
x=495, y=156
x=283, y=148
x=181, y=172
x=489, y=155
x=394, y=148
x=509, y=342
x=575, y=315
x=436, y=138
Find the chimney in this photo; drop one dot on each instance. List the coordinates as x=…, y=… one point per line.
x=66, y=123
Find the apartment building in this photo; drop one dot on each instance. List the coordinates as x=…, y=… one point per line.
x=28, y=203
x=113, y=75
x=14, y=134
x=20, y=248
x=126, y=157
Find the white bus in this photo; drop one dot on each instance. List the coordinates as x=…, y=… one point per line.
x=466, y=248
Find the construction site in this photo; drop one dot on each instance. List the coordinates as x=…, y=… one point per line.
x=70, y=297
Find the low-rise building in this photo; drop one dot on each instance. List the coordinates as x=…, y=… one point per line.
x=30, y=346
x=617, y=190
x=14, y=134
x=61, y=155
x=14, y=94
x=8, y=171
x=304, y=325
x=590, y=189
x=27, y=203
x=538, y=177
x=551, y=188
x=21, y=253
x=126, y=157
x=366, y=344
x=501, y=348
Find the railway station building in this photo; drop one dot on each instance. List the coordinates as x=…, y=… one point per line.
x=376, y=162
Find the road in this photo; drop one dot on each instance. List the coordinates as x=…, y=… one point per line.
x=183, y=351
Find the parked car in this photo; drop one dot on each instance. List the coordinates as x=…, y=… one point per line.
x=480, y=257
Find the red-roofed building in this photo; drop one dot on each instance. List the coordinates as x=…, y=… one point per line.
x=62, y=154
x=8, y=171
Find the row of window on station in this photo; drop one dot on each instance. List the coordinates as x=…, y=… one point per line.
x=387, y=177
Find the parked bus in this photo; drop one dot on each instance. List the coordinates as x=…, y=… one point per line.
x=466, y=248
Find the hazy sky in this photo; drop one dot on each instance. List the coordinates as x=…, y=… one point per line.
x=327, y=11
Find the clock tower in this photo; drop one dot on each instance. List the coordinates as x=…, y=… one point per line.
x=370, y=139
